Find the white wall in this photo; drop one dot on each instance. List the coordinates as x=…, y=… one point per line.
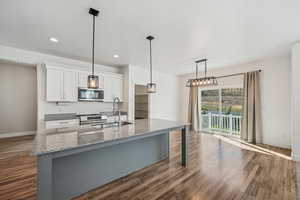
x=17, y=99
x=275, y=96
x=295, y=101
x=164, y=103
x=35, y=58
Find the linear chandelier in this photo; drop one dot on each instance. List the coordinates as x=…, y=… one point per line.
x=204, y=81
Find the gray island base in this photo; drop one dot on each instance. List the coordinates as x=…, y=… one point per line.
x=72, y=161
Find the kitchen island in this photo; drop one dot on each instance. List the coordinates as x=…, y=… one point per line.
x=74, y=160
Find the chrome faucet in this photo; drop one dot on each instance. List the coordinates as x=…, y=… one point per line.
x=117, y=100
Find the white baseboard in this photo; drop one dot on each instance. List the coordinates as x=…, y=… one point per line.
x=16, y=134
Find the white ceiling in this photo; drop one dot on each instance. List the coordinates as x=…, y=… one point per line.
x=226, y=32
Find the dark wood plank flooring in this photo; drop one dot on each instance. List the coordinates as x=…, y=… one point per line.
x=218, y=169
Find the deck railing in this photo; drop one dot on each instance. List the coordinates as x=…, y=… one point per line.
x=227, y=124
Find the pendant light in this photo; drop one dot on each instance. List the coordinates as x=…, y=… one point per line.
x=93, y=80
x=204, y=81
x=151, y=87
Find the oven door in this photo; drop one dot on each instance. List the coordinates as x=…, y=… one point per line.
x=86, y=94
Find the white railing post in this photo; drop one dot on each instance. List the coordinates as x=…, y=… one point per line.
x=221, y=122
x=209, y=121
x=230, y=124
x=240, y=124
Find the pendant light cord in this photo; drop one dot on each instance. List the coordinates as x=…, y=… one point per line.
x=196, y=70
x=205, y=68
x=150, y=62
x=93, y=52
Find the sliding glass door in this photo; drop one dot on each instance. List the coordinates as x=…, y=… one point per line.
x=221, y=110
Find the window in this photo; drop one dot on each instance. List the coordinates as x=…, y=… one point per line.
x=221, y=110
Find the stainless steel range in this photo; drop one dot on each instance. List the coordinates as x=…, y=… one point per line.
x=92, y=119
x=101, y=120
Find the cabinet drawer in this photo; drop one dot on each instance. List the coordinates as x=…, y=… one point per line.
x=114, y=118
x=61, y=123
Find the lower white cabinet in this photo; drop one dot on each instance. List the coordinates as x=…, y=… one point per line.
x=115, y=118
x=61, y=123
x=61, y=85
x=113, y=87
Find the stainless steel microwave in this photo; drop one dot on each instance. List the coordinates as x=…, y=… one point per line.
x=87, y=94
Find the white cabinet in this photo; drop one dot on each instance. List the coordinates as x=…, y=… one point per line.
x=54, y=85
x=113, y=87
x=70, y=88
x=83, y=78
x=61, y=123
x=61, y=85
x=117, y=88
x=114, y=118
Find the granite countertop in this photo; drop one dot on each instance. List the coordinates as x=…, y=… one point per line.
x=68, y=116
x=55, y=140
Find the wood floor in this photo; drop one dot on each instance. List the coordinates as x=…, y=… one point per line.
x=218, y=169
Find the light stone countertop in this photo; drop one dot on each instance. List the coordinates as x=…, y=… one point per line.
x=56, y=140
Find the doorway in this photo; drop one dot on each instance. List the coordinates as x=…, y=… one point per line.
x=221, y=110
x=141, y=99
x=18, y=102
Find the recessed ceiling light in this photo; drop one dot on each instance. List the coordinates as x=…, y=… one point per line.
x=116, y=56
x=52, y=39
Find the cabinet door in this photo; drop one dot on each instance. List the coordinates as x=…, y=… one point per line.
x=54, y=85
x=117, y=88
x=113, y=87
x=108, y=89
x=101, y=81
x=69, y=86
x=82, y=79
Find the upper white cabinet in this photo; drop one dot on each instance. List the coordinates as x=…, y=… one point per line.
x=82, y=79
x=54, y=85
x=61, y=85
x=113, y=87
x=70, y=88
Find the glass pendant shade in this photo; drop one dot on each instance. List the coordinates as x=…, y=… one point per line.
x=151, y=88
x=93, y=82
